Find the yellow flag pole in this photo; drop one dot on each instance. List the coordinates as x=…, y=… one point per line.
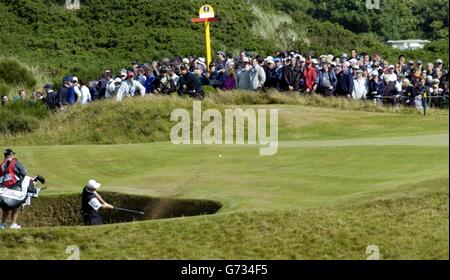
x=208, y=44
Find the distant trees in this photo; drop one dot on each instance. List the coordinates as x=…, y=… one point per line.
x=114, y=32
x=396, y=19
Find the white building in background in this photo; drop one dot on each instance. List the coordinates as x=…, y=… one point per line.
x=412, y=44
x=72, y=4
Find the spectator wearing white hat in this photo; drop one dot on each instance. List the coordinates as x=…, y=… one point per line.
x=200, y=63
x=113, y=88
x=390, y=76
x=76, y=88
x=361, y=86
x=271, y=74
x=269, y=58
x=91, y=203
x=186, y=61
x=376, y=88
x=390, y=81
x=355, y=68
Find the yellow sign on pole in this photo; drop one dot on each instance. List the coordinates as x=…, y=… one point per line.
x=207, y=13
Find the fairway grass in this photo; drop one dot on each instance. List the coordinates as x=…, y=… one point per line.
x=341, y=180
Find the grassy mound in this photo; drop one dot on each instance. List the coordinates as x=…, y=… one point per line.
x=64, y=210
x=144, y=120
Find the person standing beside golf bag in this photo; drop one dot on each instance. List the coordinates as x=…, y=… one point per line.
x=91, y=203
x=12, y=173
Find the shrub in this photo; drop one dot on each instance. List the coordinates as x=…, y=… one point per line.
x=4, y=89
x=21, y=117
x=13, y=124
x=15, y=74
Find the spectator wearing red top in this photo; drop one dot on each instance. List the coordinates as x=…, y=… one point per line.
x=310, y=76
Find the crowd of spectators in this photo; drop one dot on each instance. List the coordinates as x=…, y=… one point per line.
x=358, y=76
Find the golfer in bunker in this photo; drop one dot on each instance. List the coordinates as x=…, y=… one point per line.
x=91, y=203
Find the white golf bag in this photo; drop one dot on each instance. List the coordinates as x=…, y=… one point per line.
x=20, y=194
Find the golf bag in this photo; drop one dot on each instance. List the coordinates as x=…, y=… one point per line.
x=21, y=193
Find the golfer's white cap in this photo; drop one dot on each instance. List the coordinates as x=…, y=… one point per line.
x=92, y=184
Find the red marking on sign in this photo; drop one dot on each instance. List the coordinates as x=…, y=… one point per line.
x=204, y=19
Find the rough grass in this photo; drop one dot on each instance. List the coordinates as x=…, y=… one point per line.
x=16, y=75
x=408, y=225
x=242, y=97
x=21, y=117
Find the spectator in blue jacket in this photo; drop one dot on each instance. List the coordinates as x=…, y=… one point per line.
x=344, y=84
x=149, y=82
x=70, y=93
x=326, y=81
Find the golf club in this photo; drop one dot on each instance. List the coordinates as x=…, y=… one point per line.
x=128, y=210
